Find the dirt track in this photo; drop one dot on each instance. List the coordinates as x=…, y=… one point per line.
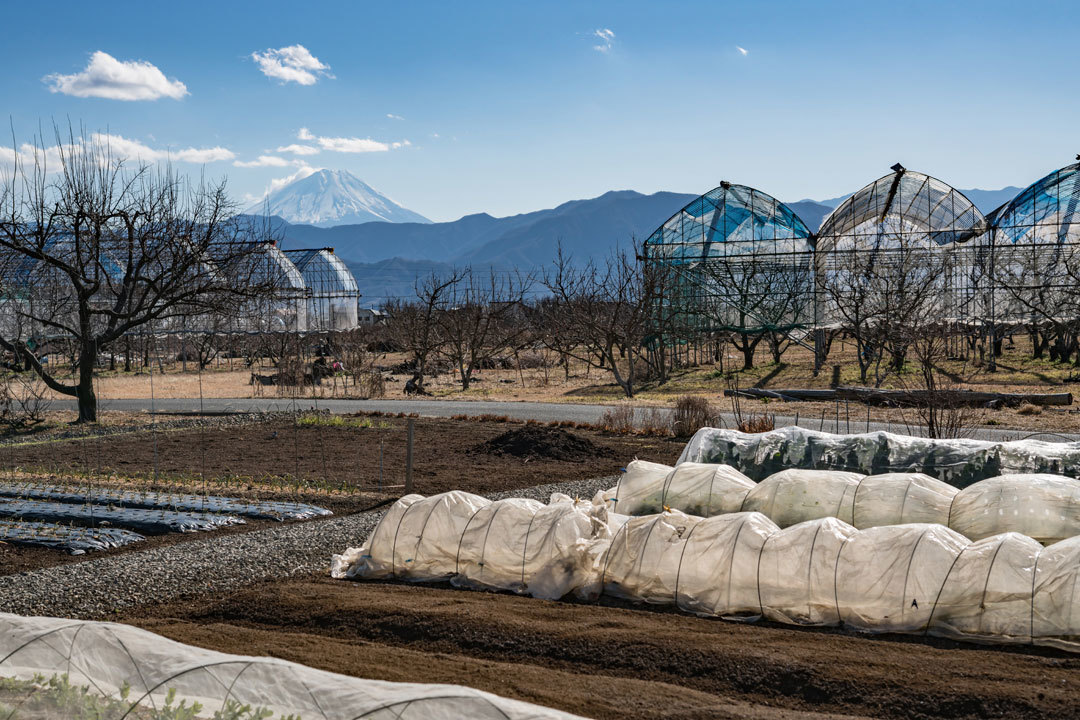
x=617, y=661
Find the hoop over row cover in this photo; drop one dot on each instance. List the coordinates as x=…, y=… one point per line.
x=105, y=671
x=914, y=578
x=1045, y=507
x=518, y=545
x=957, y=462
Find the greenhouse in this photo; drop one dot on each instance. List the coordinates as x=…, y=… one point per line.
x=333, y=296
x=729, y=251
x=915, y=577
x=905, y=251
x=53, y=668
x=1034, y=258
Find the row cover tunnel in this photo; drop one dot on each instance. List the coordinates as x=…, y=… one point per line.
x=921, y=578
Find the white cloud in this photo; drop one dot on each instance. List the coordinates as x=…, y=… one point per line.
x=107, y=77
x=291, y=64
x=122, y=147
x=392, y=116
x=606, y=38
x=297, y=149
x=742, y=50
x=349, y=144
x=116, y=147
x=263, y=161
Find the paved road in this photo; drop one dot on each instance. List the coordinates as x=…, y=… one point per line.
x=543, y=412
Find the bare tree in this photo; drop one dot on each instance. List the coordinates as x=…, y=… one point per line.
x=414, y=326
x=482, y=319
x=98, y=250
x=607, y=309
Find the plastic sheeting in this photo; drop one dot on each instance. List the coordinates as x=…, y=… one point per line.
x=150, y=500
x=696, y=488
x=956, y=462
x=151, y=522
x=911, y=578
x=518, y=545
x=92, y=671
x=1045, y=507
x=71, y=539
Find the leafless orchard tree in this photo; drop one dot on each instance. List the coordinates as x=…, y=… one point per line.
x=91, y=250
x=414, y=325
x=482, y=318
x=606, y=308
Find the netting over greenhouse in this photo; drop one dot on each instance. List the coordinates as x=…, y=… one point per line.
x=1034, y=251
x=333, y=296
x=56, y=668
x=285, y=306
x=731, y=250
x=921, y=578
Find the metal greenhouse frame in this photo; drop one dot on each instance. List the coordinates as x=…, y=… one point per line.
x=907, y=249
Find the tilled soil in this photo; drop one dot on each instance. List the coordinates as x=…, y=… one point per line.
x=339, y=466
x=616, y=660
x=538, y=442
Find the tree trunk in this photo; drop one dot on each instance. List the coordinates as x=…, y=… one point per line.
x=748, y=356
x=85, y=390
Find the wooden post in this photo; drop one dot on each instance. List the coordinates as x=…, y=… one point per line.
x=408, y=457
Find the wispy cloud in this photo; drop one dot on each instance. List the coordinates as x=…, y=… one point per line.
x=606, y=38
x=350, y=144
x=264, y=161
x=297, y=149
x=114, y=146
x=107, y=77
x=392, y=116
x=742, y=50
x=294, y=63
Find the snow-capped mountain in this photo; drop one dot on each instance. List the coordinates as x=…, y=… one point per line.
x=333, y=197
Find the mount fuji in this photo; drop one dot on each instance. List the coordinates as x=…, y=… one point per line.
x=327, y=198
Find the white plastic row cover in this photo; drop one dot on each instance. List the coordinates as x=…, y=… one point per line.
x=1045, y=507
x=115, y=670
x=915, y=578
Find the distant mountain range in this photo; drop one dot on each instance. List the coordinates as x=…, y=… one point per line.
x=394, y=246
x=333, y=197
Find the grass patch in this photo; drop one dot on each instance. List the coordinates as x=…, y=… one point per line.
x=340, y=421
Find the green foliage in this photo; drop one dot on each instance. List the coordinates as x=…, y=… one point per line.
x=55, y=698
x=339, y=421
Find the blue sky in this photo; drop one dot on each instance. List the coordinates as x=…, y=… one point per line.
x=509, y=107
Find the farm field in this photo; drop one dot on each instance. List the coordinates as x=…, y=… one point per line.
x=337, y=466
x=617, y=660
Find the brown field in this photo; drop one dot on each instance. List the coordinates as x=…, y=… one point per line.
x=616, y=661
x=334, y=467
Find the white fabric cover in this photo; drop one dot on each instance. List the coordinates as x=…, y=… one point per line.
x=519, y=545
x=695, y=488
x=913, y=578
x=105, y=657
x=797, y=572
x=899, y=498
x=1045, y=507
x=718, y=575
x=794, y=496
x=888, y=578
x=988, y=591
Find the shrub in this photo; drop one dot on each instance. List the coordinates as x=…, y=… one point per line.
x=619, y=419
x=691, y=414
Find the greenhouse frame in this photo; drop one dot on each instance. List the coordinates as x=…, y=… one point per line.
x=907, y=249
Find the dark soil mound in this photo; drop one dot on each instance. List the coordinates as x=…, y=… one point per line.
x=536, y=442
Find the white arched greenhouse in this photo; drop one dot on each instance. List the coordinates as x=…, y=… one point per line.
x=333, y=295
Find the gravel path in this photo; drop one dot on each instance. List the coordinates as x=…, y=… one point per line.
x=97, y=588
